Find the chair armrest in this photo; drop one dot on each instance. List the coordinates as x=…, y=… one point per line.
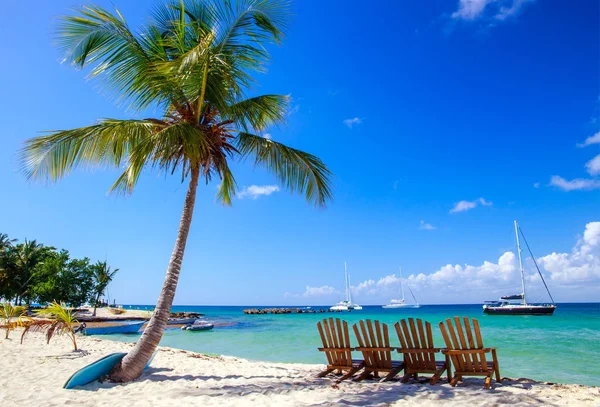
x=336, y=349
x=432, y=350
x=375, y=349
x=465, y=351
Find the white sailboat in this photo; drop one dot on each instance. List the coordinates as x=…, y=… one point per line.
x=517, y=304
x=401, y=302
x=347, y=304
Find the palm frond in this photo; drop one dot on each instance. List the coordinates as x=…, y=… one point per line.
x=60, y=321
x=108, y=143
x=296, y=170
x=226, y=188
x=259, y=112
x=173, y=147
x=127, y=62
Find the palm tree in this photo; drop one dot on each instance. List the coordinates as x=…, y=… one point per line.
x=12, y=317
x=27, y=256
x=195, y=61
x=59, y=320
x=102, y=276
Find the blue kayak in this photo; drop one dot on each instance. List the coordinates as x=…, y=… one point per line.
x=124, y=328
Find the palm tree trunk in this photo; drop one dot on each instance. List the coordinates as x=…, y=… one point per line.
x=132, y=365
x=96, y=304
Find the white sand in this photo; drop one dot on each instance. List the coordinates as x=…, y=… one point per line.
x=32, y=374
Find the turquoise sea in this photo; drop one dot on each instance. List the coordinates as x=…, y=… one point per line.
x=562, y=348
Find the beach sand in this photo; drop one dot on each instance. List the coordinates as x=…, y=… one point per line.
x=34, y=373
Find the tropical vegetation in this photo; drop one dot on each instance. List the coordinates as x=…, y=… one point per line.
x=102, y=275
x=12, y=317
x=58, y=320
x=196, y=62
x=33, y=273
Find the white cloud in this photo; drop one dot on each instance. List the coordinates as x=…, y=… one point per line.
x=254, y=191
x=351, y=122
x=426, y=226
x=577, y=184
x=267, y=136
x=593, y=166
x=582, y=265
x=463, y=206
x=471, y=10
x=595, y=139
x=536, y=185
x=324, y=290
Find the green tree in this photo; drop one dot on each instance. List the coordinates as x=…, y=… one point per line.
x=64, y=280
x=22, y=261
x=102, y=276
x=6, y=254
x=194, y=60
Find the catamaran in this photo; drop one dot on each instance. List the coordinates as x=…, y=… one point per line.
x=517, y=304
x=347, y=304
x=400, y=303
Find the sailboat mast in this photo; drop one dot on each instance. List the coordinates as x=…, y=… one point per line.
x=520, y=261
x=401, y=286
x=348, y=293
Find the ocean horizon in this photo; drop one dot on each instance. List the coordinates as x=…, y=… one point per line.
x=561, y=348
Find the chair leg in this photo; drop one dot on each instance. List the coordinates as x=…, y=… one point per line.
x=350, y=373
x=454, y=381
x=325, y=372
x=437, y=376
x=405, y=377
x=392, y=374
x=362, y=376
x=488, y=382
x=496, y=367
x=448, y=368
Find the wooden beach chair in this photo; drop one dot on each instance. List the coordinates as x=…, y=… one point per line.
x=374, y=343
x=416, y=342
x=336, y=345
x=465, y=350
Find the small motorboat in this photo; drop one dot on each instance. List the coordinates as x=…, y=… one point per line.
x=181, y=321
x=198, y=326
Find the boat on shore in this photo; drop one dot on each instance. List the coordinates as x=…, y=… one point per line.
x=347, y=304
x=394, y=304
x=111, y=328
x=517, y=304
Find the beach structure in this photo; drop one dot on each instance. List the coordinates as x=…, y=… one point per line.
x=401, y=302
x=336, y=345
x=517, y=304
x=347, y=304
x=466, y=352
x=416, y=345
x=374, y=343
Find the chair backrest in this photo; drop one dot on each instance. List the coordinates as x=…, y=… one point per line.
x=374, y=343
x=414, y=337
x=462, y=337
x=336, y=341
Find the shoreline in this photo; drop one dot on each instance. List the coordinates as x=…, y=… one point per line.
x=178, y=377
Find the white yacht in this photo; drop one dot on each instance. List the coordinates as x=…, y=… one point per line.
x=517, y=304
x=347, y=304
x=401, y=302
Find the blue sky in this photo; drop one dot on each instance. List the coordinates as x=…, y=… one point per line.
x=441, y=122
